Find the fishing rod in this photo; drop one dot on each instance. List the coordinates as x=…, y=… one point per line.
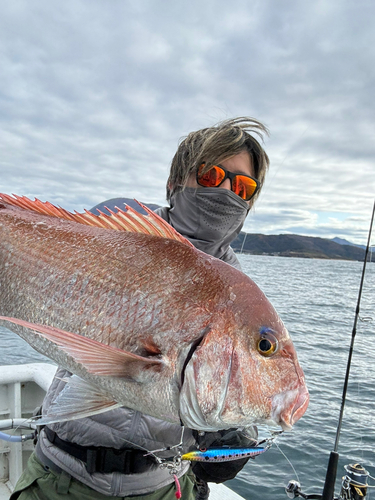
x=356, y=474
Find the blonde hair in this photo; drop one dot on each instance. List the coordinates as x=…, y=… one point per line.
x=215, y=144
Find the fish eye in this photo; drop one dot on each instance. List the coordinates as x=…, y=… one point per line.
x=267, y=344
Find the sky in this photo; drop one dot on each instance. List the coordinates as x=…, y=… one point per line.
x=95, y=96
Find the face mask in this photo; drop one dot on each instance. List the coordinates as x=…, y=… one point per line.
x=210, y=218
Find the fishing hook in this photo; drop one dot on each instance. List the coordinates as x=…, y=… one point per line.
x=176, y=462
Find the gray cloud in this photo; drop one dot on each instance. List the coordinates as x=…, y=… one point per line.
x=94, y=97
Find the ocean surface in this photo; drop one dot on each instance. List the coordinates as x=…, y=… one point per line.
x=316, y=299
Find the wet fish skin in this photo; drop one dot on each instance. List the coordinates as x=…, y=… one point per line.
x=194, y=321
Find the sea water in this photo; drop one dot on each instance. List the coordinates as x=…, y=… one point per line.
x=316, y=300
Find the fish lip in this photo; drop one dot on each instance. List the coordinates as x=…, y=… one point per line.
x=286, y=413
x=301, y=404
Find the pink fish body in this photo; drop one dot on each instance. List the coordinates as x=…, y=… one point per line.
x=144, y=320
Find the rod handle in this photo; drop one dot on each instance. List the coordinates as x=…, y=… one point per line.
x=329, y=485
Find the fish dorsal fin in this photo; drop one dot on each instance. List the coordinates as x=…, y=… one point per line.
x=129, y=220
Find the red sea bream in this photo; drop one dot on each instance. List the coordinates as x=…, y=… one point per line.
x=144, y=320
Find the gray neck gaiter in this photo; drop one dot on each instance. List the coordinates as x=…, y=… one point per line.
x=210, y=218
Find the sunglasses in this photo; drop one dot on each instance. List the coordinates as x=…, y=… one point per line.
x=242, y=185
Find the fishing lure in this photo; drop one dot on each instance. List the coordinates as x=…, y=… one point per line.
x=222, y=454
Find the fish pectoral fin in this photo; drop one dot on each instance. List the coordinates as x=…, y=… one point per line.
x=97, y=358
x=78, y=399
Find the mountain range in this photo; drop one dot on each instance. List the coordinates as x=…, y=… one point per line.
x=294, y=245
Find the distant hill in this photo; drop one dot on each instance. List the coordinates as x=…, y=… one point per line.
x=293, y=245
x=341, y=241
x=284, y=245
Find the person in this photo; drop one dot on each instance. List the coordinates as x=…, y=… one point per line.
x=215, y=177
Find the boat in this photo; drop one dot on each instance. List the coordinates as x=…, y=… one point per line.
x=22, y=389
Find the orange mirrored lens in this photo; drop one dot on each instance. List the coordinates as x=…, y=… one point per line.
x=243, y=186
x=213, y=178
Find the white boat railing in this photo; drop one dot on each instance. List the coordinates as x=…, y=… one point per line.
x=22, y=389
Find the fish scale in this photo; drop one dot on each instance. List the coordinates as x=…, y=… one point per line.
x=149, y=321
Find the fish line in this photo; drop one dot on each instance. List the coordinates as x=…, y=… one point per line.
x=287, y=459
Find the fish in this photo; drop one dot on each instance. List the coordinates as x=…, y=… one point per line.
x=143, y=319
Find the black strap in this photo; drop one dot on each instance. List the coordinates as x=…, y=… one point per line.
x=105, y=460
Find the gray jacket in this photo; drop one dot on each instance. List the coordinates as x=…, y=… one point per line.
x=120, y=428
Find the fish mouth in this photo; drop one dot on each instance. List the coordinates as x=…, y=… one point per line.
x=289, y=406
x=300, y=406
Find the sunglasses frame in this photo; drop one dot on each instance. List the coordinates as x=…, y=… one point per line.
x=230, y=176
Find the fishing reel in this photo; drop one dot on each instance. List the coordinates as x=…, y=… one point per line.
x=354, y=483
x=293, y=490
x=353, y=487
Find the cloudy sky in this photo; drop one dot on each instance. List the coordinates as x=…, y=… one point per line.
x=96, y=94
